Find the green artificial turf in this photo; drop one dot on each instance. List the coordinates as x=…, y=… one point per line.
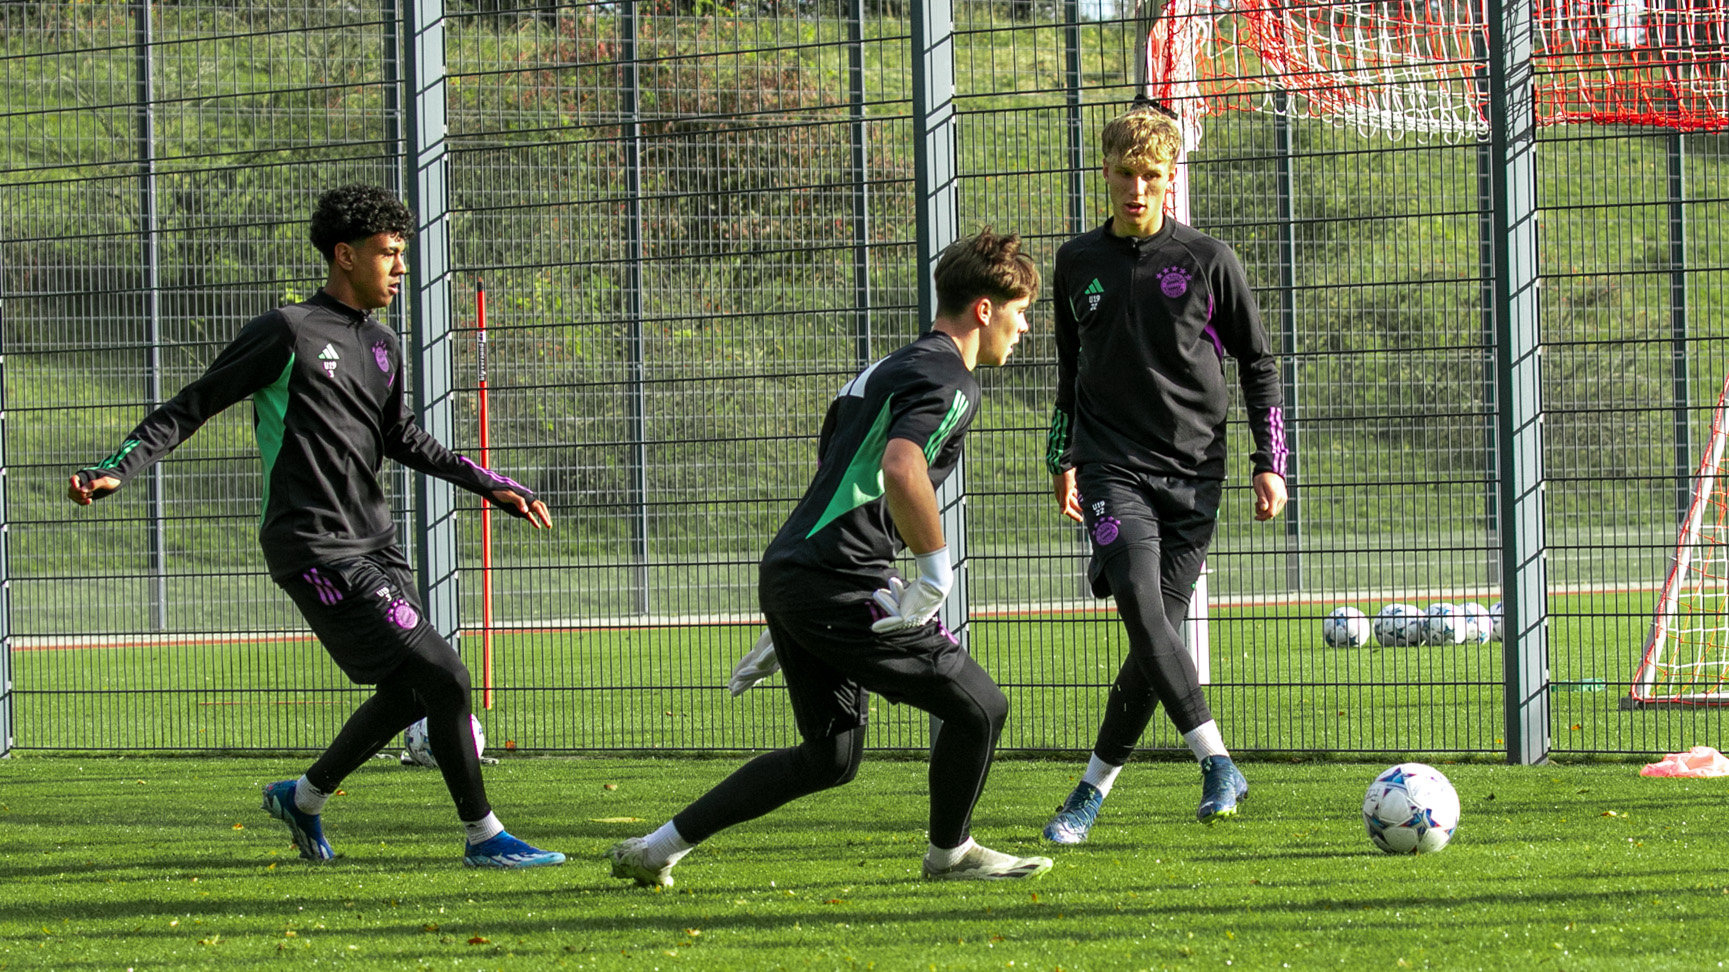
x=1276, y=688
x=118, y=863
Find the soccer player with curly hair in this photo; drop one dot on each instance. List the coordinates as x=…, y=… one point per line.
x=329, y=405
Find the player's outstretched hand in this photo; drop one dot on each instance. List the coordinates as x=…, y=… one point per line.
x=757, y=664
x=535, y=513
x=84, y=493
x=907, y=606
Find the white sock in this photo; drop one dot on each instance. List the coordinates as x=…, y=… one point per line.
x=1101, y=775
x=309, y=798
x=666, y=845
x=484, y=829
x=946, y=857
x=1204, y=740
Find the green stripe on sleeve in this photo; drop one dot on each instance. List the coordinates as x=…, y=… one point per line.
x=1057, y=441
x=957, y=409
x=270, y=404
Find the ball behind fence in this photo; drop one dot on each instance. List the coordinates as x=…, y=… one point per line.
x=1345, y=627
x=1399, y=625
x=414, y=737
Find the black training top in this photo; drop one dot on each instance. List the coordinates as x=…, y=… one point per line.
x=328, y=404
x=1142, y=329
x=840, y=539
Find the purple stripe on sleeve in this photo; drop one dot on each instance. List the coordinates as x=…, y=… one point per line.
x=495, y=477
x=1218, y=345
x=1276, y=425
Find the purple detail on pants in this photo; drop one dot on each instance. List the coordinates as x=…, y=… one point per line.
x=876, y=611
x=945, y=630
x=381, y=354
x=402, y=614
x=328, y=594
x=1105, y=531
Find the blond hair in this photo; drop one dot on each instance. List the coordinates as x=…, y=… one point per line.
x=1141, y=137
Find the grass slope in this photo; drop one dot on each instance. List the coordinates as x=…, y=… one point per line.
x=168, y=863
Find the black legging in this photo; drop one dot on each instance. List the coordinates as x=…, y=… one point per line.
x=972, y=710
x=1158, y=667
x=432, y=682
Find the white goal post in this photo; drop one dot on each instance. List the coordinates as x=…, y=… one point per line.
x=1686, y=657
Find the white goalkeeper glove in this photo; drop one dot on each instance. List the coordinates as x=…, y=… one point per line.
x=913, y=605
x=757, y=664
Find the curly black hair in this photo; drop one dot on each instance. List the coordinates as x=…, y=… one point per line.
x=351, y=213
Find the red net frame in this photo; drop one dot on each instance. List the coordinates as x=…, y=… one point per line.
x=1418, y=66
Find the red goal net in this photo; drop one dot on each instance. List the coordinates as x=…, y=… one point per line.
x=1418, y=66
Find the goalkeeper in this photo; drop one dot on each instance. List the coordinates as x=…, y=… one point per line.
x=1146, y=311
x=326, y=382
x=843, y=625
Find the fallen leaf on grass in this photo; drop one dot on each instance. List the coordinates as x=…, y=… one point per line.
x=477, y=940
x=609, y=786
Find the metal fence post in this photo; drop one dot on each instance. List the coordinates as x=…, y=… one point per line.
x=430, y=310
x=1287, y=204
x=1681, y=380
x=935, y=170
x=401, y=482
x=7, y=714
x=1519, y=399
x=861, y=268
x=151, y=290
x=636, y=399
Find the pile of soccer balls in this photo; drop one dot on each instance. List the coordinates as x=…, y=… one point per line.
x=1399, y=625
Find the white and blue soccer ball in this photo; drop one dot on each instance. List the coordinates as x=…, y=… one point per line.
x=421, y=753
x=1399, y=625
x=1443, y=624
x=1411, y=809
x=1495, y=621
x=1479, y=623
x=1345, y=627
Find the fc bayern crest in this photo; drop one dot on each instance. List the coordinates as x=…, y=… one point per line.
x=381, y=354
x=1173, y=282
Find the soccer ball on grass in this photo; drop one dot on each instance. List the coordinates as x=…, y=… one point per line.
x=1411, y=809
x=1399, y=626
x=421, y=753
x=1479, y=623
x=1345, y=627
x=1443, y=624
